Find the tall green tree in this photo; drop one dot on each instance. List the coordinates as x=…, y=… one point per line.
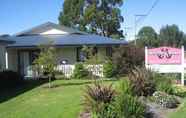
x=102, y=17
x=171, y=35
x=147, y=36
x=72, y=12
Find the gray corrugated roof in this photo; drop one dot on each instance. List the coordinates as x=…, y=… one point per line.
x=5, y=40
x=45, y=27
x=63, y=40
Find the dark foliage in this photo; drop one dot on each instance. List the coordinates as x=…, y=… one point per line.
x=10, y=79
x=97, y=96
x=125, y=58
x=102, y=17
x=142, y=81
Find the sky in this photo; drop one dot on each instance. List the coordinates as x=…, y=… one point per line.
x=165, y=12
x=18, y=15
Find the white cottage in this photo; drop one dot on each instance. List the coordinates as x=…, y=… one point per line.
x=69, y=42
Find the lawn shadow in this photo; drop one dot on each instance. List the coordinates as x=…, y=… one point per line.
x=9, y=93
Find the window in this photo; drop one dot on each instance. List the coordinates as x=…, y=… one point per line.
x=33, y=55
x=82, y=55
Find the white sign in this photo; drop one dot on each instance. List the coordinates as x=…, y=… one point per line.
x=165, y=60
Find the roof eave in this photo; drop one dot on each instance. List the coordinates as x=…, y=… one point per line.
x=61, y=45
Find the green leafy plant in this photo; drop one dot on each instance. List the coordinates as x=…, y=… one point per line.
x=179, y=91
x=108, y=69
x=165, y=100
x=47, y=61
x=164, y=83
x=80, y=72
x=125, y=87
x=107, y=111
x=142, y=81
x=128, y=106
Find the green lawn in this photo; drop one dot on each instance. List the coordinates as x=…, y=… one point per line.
x=35, y=100
x=180, y=112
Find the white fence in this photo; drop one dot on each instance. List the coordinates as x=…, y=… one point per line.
x=67, y=70
x=96, y=70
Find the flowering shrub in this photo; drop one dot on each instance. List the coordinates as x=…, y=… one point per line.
x=165, y=100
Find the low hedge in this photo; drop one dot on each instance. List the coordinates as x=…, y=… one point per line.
x=10, y=79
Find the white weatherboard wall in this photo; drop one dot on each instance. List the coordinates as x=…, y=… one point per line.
x=167, y=68
x=70, y=54
x=67, y=53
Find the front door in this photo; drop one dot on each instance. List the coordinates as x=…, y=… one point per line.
x=24, y=63
x=26, y=59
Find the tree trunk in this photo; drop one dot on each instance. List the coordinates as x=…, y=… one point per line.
x=49, y=84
